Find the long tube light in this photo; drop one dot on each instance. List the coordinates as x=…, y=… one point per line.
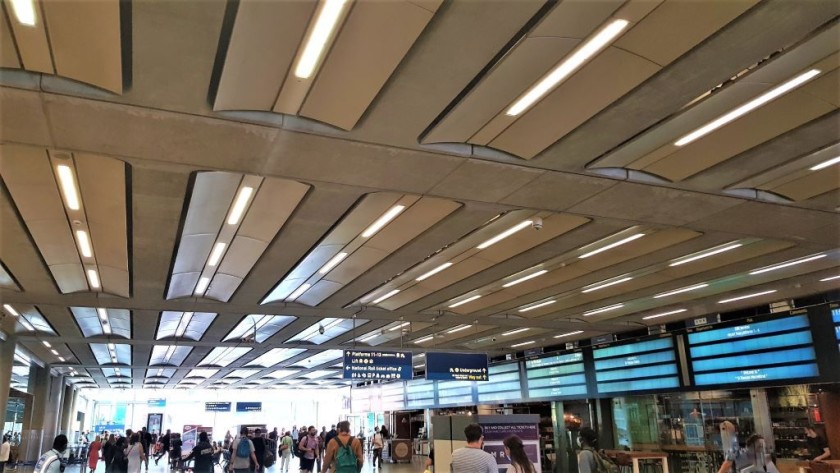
x=93, y=278
x=239, y=205
x=606, y=284
x=369, y=338
x=537, y=306
x=424, y=339
x=748, y=107
x=201, y=287
x=602, y=310
x=26, y=324
x=84, y=243
x=434, y=271
x=458, y=329
x=299, y=291
x=319, y=39
x=830, y=278
x=501, y=236
x=385, y=219
x=787, y=264
x=68, y=186
x=386, y=296
x=103, y=313
x=216, y=254
x=612, y=245
x=332, y=263
x=826, y=164
x=569, y=334
x=46, y=344
x=468, y=299
x=11, y=310
x=398, y=326
x=525, y=278
x=517, y=345
x=515, y=331
x=706, y=254
x=755, y=294
x=681, y=290
x=663, y=314
x=186, y=318
x=589, y=49
x=24, y=11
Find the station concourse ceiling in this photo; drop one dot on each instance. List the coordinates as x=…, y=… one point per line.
x=186, y=201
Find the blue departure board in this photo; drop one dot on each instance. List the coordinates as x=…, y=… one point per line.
x=835, y=315
x=381, y=365
x=752, y=352
x=503, y=386
x=419, y=394
x=457, y=393
x=456, y=366
x=556, y=376
x=637, y=366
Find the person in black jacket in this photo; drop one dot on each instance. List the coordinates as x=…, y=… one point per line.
x=175, y=450
x=203, y=455
x=108, y=452
x=259, y=450
x=119, y=462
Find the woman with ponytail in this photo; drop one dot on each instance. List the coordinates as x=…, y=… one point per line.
x=515, y=450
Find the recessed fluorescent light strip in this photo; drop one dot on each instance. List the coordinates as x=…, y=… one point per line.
x=299, y=291
x=458, y=329
x=537, y=306
x=186, y=318
x=216, y=254
x=239, y=205
x=398, y=326
x=369, y=338
x=514, y=332
x=566, y=68
x=386, y=296
x=84, y=243
x=786, y=264
x=681, y=290
x=93, y=278
x=24, y=11
x=612, y=245
x=68, y=186
x=11, y=310
x=748, y=107
x=517, y=345
x=385, y=219
x=332, y=263
x=434, y=271
x=663, y=314
x=606, y=284
x=424, y=339
x=201, y=287
x=569, y=334
x=830, y=278
x=756, y=294
x=602, y=310
x=469, y=299
x=706, y=254
x=826, y=164
x=501, y=236
x=525, y=278
x=318, y=40
x=46, y=344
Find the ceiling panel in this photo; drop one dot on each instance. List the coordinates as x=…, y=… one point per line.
x=190, y=325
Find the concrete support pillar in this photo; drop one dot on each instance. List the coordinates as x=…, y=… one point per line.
x=52, y=419
x=7, y=358
x=66, y=410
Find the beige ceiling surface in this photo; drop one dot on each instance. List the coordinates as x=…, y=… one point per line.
x=406, y=110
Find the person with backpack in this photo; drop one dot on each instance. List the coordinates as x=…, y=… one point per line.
x=285, y=447
x=243, y=453
x=308, y=447
x=344, y=453
x=589, y=459
x=519, y=461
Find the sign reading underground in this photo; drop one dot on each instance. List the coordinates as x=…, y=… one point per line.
x=369, y=364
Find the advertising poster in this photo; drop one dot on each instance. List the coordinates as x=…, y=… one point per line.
x=496, y=432
x=190, y=436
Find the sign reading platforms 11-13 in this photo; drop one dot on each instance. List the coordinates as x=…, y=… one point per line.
x=369, y=364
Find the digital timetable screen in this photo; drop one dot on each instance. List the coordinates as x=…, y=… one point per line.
x=835, y=315
x=503, y=386
x=556, y=376
x=775, y=349
x=637, y=366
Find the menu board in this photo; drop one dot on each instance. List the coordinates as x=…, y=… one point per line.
x=458, y=393
x=776, y=349
x=504, y=384
x=456, y=366
x=556, y=376
x=381, y=365
x=835, y=315
x=636, y=366
x=419, y=394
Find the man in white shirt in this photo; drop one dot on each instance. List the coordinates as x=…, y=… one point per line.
x=239, y=461
x=472, y=459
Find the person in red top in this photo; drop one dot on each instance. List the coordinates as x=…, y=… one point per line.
x=93, y=453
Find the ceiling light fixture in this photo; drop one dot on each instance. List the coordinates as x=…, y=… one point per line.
x=68, y=186
x=612, y=245
x=398, y=326
x=186, y=318
x=501, y=236
x=299, y=291
x=103, y=313
x=681, y=290
x=386, y=296
x=748, y=107
x=826, y=164
x=606, y=284
x=424, y=339
x=755, y=294
x=11, y=310
x=517, y=345
x=203, y=282
x=514, y=332
x=239, y=205
x=46, y=344
x=54, y=352
x=602, y=310
x=26, y=324
x=385, y=219
x=434, y=271
x=706, y=254
x=332, y=263
x=663, y=314
x=24, y=11
x=93, y=278
x=61, y=359
x=468, y=299
x=318, y=40
x=458, y=329
x=569, y=334
x=421, y=365
x=566, y=68
x=787, y=264
x=369, y=338
x=106, y=328
x=84, y=243
x=216, y=254
x=830, y=278
x=525, y=278
x=537, y=306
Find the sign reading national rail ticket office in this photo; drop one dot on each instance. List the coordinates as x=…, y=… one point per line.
x=370, y=364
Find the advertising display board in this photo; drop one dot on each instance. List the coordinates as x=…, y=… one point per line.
x=377, y=365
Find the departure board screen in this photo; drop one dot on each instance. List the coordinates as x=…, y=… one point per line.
x=456, y=366
x=556, y=376
x=749, y=352
x=419, y=394
x=392, y=396
x=455, y=393
x=835, y=315
x=636, y=366
x=503, y=386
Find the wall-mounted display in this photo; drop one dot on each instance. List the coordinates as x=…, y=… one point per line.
x=637, y=366
x=556, y=376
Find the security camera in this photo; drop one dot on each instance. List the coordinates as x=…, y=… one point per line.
x=536, y=224
x=494, y=339
x=321, y=329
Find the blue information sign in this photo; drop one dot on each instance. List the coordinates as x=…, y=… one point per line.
x=457, y=366
x=248, y=407
x=370, y=364
x=217, y=407
x=753, y=352
x=637, y=366
x=156, y=402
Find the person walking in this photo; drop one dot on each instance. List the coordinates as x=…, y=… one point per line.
x=729, y=443
x=165, y=441
x=93, y=453
x=108, y=452
x=588, y=443
x=134, y=453
x=243, y=453
x=5, y=449
x=309, y=450
x=472, y=459
x=519, y=461
x=57, y=451
x=146, y=441
x=119, y=462
x=344, y=453
x=202, y=454
x=285, y=452
x=259, y=450
x=378, y=442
